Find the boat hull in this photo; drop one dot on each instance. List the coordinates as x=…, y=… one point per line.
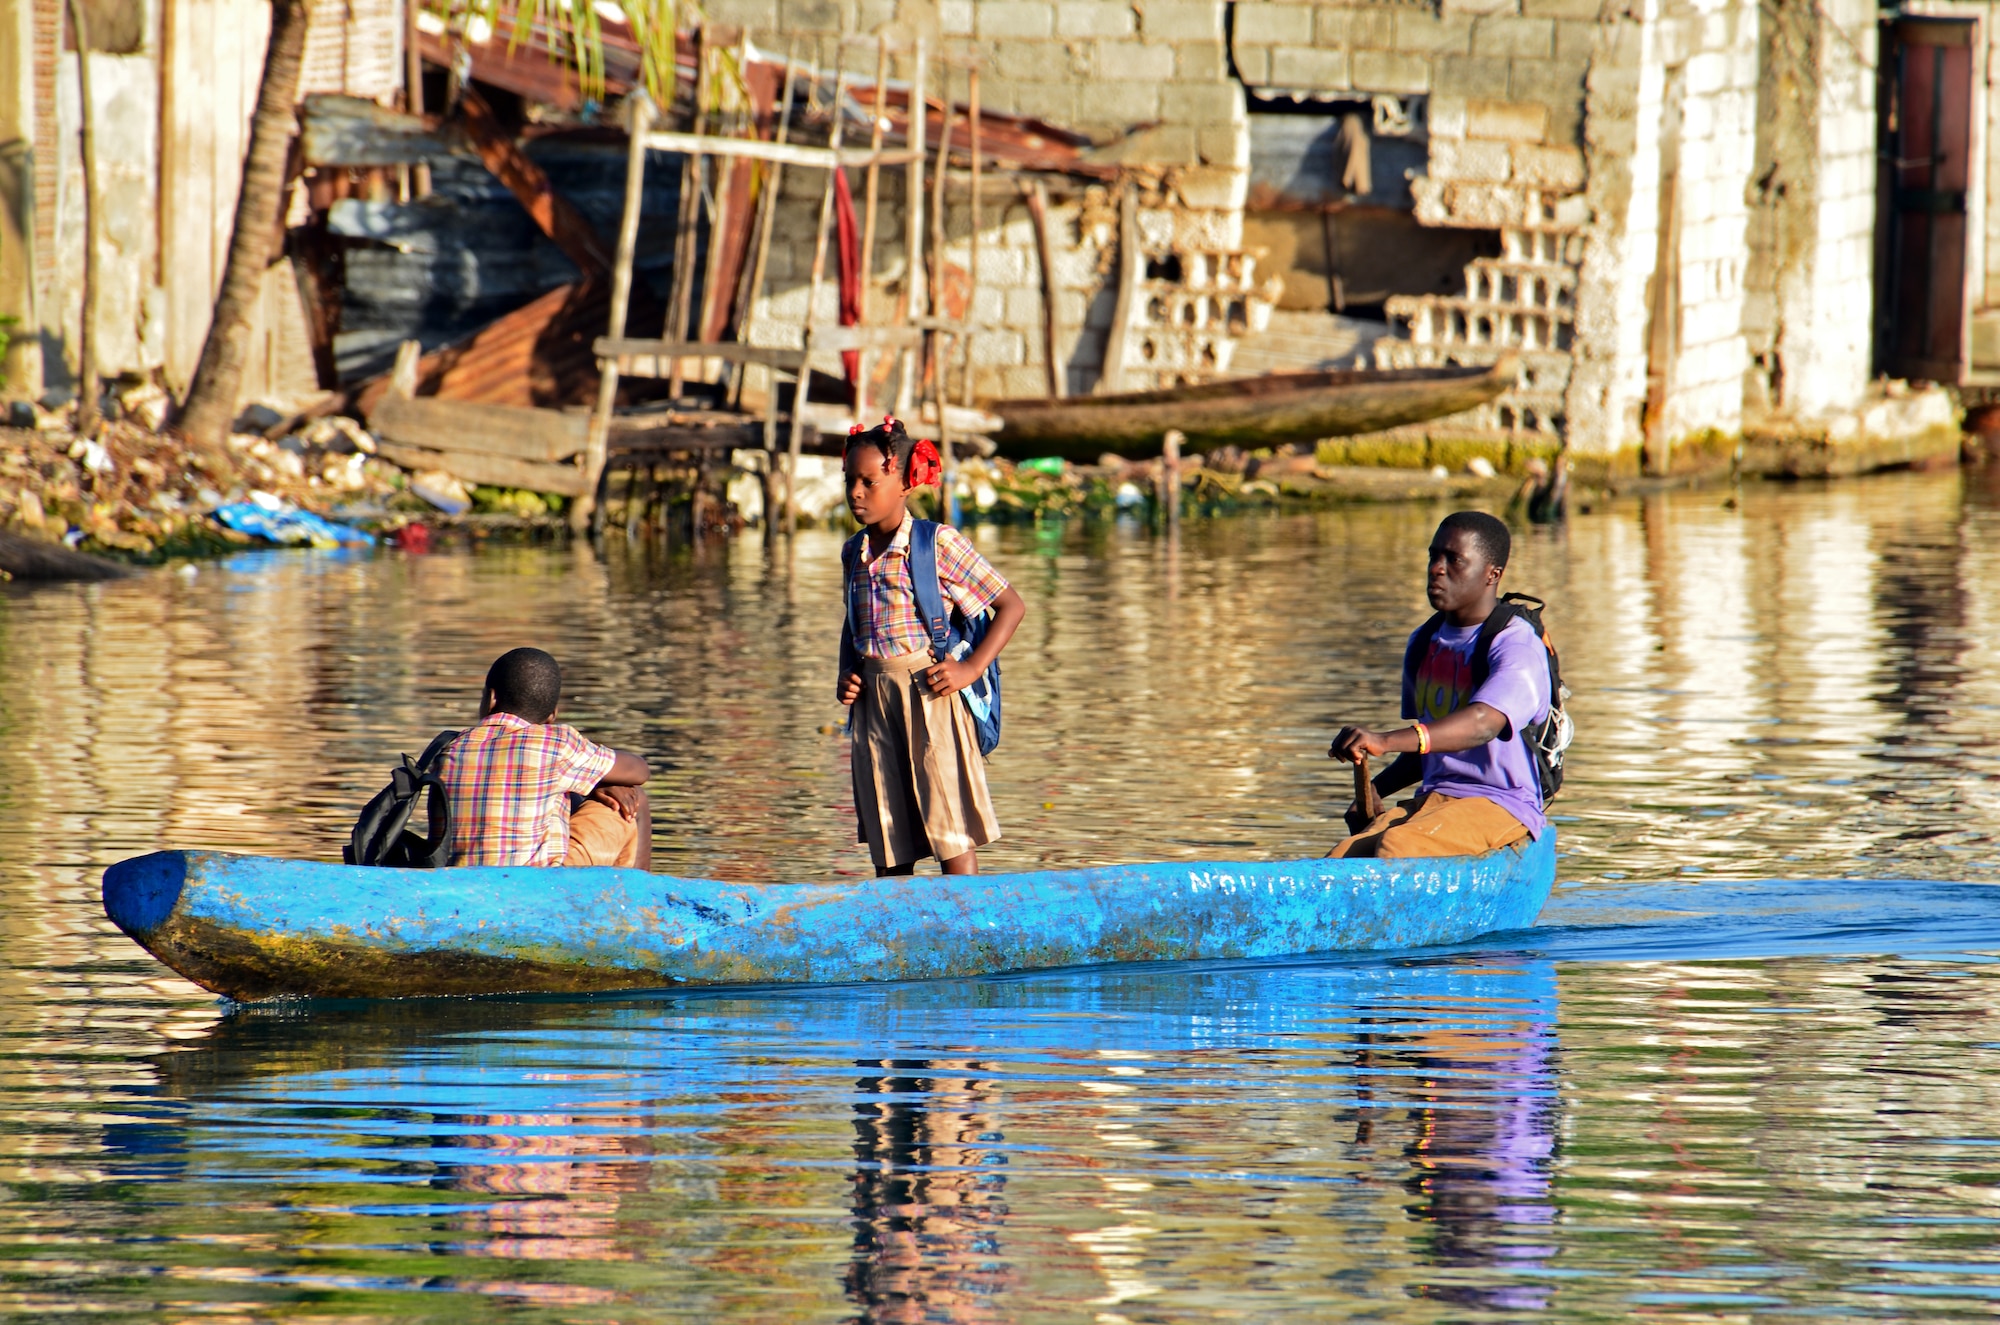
x=255, y=928
x=1246, y=412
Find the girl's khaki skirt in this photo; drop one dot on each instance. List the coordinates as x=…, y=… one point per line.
x=919, y=780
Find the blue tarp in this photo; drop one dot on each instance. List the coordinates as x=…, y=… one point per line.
x=289, y=525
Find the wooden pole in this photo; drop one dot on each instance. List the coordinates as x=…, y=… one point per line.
x=913, y=222
x=774, y=183
x=413, y=94
x=1131, y=270
x=972, y=258
x=718, y=230
x=948, y=463
x=1038, y=212
x=871, y=200
x=87, y=388
x=586, y=512
x=1170, y=476
x=800, y=396
x=939, y=345
x=686, y=239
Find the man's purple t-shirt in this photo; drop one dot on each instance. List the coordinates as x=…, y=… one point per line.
x=1517, y=684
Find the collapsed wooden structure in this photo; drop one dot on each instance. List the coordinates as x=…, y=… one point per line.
x=679, y=393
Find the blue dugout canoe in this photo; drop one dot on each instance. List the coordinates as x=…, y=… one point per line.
x=253, y=928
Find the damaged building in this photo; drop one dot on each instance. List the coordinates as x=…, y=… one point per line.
x=1675, y=215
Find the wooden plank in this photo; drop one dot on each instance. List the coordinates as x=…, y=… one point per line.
x=1131, y=271
x=791, y=154
x=626, y=348
x=557, y=217
x=828, y=338
x=1038, y=212
x=490, y=471
x=467, y=427
x=348, y=131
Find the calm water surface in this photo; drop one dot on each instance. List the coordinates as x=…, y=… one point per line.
x=1694, y=1092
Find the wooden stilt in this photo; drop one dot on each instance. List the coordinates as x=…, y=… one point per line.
x=918, y=293
x=801, y=396
x=972, y=258
x=585, y=512
x=871, y=200
x=1038, y=212
x=686, y=240
x=937, y=370
x=767, y=212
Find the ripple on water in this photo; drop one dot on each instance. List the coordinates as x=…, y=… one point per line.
x=1687, y=1093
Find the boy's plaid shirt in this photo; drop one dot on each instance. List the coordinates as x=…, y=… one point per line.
x=509, y=781
x=886, y=624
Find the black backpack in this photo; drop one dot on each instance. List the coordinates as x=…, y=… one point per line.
x=1547, y=740
x=381, y=835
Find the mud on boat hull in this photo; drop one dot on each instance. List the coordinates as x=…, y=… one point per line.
x=254, y=928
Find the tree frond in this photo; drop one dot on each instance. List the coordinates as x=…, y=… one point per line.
x=573, y=33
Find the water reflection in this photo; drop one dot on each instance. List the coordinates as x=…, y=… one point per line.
x=929, y=1200
x=1687, y=1094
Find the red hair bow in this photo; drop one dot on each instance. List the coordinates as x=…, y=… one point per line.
x=925, y=467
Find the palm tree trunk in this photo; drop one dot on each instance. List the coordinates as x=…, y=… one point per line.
x=211, y=401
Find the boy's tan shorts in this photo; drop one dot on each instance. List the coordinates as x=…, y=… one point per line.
x=599, y=835
x=1434, y=825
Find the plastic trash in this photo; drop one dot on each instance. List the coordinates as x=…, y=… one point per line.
x=277, y=521
x=443, y=491
x=1051, y=465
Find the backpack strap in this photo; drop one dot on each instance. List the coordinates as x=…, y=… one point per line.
x=1413, y=656
x=924, y=584
x=428, y=760
x=850, y=648
x=1503, y=613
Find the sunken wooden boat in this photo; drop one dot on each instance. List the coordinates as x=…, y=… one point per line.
x=1248, y=412
x=253, y=928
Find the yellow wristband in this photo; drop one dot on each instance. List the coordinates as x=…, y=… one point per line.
x=1423, y=738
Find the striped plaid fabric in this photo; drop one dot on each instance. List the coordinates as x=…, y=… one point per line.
x=509, y=781
x=886, y=624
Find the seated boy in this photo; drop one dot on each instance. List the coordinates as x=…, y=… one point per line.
x=512, y=776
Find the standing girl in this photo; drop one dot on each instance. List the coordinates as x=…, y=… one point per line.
x=919, y=779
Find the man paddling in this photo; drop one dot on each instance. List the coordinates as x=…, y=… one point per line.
x=1477, y=785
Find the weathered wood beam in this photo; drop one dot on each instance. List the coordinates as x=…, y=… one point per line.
x=791, y=154
x=626, y=348
x=544, y=435
x=557, y=217
x=490, y=470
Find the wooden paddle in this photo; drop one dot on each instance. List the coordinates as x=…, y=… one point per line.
x=1367, y=802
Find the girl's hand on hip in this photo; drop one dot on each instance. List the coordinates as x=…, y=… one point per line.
x=949, y=677
x=849, y=688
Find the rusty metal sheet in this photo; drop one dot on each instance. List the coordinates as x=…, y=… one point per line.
x=256, y=928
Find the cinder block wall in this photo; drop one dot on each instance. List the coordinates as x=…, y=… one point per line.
x=1574, y=131
x=1150, y=81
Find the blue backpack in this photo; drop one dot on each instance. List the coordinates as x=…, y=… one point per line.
x=953, y=634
